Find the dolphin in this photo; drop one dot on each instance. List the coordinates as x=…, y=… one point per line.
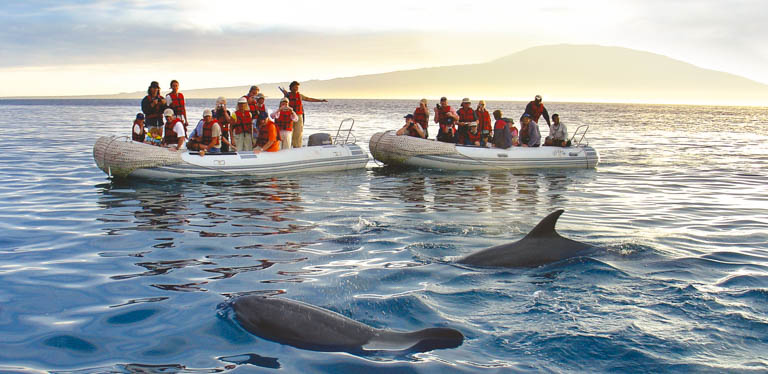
x=310, y=327
x=541, y=246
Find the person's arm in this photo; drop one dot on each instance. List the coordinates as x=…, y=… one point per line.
x=546, y=115
x=453, y=114
x=146, y=105
x=419, y=130
x=312, y=100
x=294, y=116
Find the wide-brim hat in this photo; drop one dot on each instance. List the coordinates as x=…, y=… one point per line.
x=466, y=100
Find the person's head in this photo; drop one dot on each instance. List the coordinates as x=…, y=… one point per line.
x=242, y=104
x=423, y=103
x=465, y=102
x=168, y=114
x=408, y=118
x=174, y=85
x=525, y=120
x=481, y=104
x=262, y=117
x=139, y=117
x=443, y=100
x=154, y=88
x=556, y=118
x=284, y=102
x=294, y=86
x=221, y=102
x=253, y=91
x=207, y=116
x=537, y=99
x=497, y=114
x=260, y=98
x=473, y=127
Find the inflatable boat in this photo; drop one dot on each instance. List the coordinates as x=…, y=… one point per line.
x=122, y=157
x=391, y=149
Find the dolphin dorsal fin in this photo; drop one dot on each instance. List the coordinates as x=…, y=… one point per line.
x=547, y=225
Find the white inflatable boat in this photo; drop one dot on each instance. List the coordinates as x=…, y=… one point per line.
x=124, y=158
x=391, y=149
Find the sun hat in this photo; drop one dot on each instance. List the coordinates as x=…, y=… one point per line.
x=465, y=100
x=168, y=112
x=538, y=97
x=207, y=113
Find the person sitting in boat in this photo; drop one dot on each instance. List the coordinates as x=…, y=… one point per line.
x=152, y=105
x=535, y=109
x=269, y=139
x=222, y=115
x=242, y=126
x=502, y=135
x=174, y=134
x=467, y=117
x=138, y=134
x=558, y=133
x=445, y=116
x=474, y=136
x=210, y=134
x=411, y=128
x=175, y=101
x=251, y=96
x=484, y=123
x=421, y=116
x=284, y=118
x=529, y=132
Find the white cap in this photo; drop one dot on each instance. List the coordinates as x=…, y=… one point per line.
x=207, y=113
x=168, y=112
x=242, y=100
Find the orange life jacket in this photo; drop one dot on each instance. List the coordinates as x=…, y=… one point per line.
x=483, y=122
x=170, y=136
x=466, y=115
x=294, y=100
x=138, y=137
x=283, y=120
x=178, y=104
x=420, y=117
x=264, y=135
x=207, y=136
x=536, y=111
x=243, y=122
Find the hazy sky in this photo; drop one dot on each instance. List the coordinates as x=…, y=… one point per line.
x=100, y=47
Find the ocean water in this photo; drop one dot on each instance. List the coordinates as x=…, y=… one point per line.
x=134, y=276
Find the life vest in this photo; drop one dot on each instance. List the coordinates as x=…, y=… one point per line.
x=536, y=111
x=525, y=134
x=420, y=117
x=138, y=137
x=252, y=107
x=207, y=136
x=170, y=136
x=500, y=123
x=483, y=122
x=261, y=108
x=294, y=100
x=466, y=115
x=218, y=115
x=283, y=120
x=178, y=104
x=243, y=122
x=474, y=137
x=264, y=134
x=443, y=118
x=154, y=113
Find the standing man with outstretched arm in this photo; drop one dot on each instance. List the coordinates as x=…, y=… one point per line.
x=535, y=109
x=295, y=101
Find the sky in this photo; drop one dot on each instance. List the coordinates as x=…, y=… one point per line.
x=86, y=47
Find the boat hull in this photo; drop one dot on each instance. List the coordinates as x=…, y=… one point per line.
x=126, y=158
x=410, y=151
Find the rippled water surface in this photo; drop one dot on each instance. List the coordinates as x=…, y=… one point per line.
x=102, y=276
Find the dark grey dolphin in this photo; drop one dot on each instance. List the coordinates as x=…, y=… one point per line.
x=309, y=327
x=541, y=246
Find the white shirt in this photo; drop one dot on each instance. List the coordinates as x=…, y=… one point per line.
x=178, y=128
x=137, y=128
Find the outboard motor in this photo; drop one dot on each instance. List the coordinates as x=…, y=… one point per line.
x=319, y=139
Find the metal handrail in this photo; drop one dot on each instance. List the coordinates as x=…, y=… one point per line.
x=349, y=133
x=576, y=133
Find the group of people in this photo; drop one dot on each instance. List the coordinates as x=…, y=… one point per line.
x=467, y=126
x=252, y=126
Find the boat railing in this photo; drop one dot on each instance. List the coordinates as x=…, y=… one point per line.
x=580, y=132
x=340, y=133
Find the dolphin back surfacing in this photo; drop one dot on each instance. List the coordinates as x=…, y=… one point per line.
x=310, y=327
x=541, y=246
